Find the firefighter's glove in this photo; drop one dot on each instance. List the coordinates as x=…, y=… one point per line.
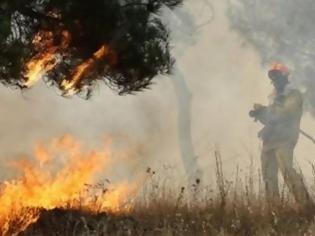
x=256, y=111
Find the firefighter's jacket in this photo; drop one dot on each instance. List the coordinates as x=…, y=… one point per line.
x=281, y=119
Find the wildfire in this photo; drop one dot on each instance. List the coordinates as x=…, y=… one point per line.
x=57, y=177
x=37, y=67
x=49, y=55
x=83, y=69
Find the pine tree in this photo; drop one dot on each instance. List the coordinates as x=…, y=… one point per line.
x=76, y=43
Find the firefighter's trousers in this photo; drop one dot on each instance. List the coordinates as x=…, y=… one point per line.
x=281, y=157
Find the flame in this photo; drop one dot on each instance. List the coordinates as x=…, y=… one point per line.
x=47, y=58
x=83, y=69
x=57, y=177
x=50, y=54
x=38, y=66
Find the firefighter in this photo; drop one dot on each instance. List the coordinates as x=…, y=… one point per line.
x=281, y=120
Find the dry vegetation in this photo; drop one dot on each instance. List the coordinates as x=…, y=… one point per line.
x=231, y=208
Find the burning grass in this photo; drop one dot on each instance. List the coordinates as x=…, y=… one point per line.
x=58, y=176
x=160, y=207
x=161, y=213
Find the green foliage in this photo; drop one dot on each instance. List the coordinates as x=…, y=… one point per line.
x=132, y=29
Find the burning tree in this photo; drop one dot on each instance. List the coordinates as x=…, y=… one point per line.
x=280, y=30
x=73, y=44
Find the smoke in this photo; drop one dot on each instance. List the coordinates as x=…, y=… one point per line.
x=280, y=31
x=225, y=77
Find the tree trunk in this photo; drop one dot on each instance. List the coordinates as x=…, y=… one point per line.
x=184, y=98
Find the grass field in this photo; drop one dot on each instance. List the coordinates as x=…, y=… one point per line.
x=229, y=208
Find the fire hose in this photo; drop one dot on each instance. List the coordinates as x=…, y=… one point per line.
x=307, y=136
x=252, y=113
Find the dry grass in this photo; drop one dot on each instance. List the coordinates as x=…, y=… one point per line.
x=232, y=208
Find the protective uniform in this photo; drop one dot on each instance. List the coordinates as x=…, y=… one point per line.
x=281, y=120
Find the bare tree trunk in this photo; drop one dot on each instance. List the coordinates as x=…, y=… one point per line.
x=184, y=98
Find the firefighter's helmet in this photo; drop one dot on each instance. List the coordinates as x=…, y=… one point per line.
x=278, y=69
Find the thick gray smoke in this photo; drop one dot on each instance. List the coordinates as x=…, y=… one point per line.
x=222, y=89
x=224, y=78
x=281, y=30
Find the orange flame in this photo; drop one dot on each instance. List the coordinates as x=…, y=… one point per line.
x=51, y=54
x=83, y=69
x=57, y=178
x=37, y=67
x=42, y=63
